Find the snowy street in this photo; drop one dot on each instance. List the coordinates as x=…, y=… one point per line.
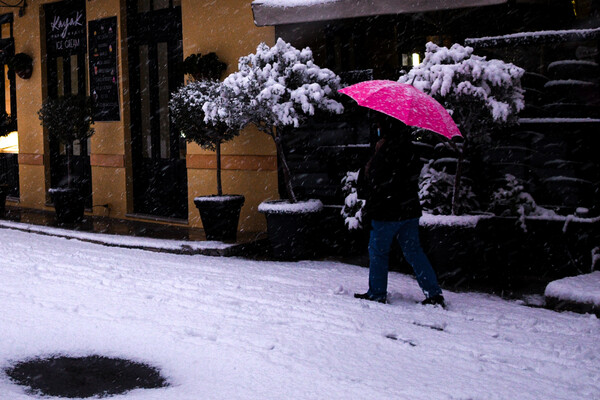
x=229, y=328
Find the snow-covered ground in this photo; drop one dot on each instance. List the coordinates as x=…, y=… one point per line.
x=226, y=328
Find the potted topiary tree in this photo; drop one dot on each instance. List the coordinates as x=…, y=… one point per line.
x=68, y=118
x=278, y=88
x=7, y=125
x=219, y=213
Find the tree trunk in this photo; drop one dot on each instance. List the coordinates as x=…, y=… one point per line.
x=219, y=185
x=457, y=178
x=284, y=167
x=465, y=130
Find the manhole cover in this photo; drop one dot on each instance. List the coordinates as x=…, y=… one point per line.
x=63, y=376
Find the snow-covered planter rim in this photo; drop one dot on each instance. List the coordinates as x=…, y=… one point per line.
x=285, y=207
x=215, y=198
x=451, y=220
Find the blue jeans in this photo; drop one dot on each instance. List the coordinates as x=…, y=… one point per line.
x=407, y=234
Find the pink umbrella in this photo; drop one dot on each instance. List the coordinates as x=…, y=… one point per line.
x=404, y=102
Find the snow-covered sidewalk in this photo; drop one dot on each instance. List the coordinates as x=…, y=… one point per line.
x=206, y=247
x=228, y=328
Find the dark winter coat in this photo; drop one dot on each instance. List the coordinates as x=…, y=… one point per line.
x=390, y=181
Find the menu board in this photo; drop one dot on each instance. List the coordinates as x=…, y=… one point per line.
x=104, y=79
x=65, y=28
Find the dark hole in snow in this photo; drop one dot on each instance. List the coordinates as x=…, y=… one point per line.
x=71, y=377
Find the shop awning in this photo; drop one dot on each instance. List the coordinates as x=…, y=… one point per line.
x=281, y=12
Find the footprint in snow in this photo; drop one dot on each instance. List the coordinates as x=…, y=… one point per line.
x=393, y=336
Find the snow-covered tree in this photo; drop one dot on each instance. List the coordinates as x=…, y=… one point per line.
x=480, y=94
x=187, y=112
x=278, y=88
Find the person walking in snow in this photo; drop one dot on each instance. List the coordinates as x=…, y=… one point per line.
x=389, y=184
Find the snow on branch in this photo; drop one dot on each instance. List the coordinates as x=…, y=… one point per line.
x=279, y=86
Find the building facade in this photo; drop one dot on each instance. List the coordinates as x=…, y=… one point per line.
x=127, y=54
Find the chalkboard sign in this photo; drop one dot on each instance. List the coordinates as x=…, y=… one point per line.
x=104, y=79
x=65, y=28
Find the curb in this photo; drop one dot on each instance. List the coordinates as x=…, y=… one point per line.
x=206, y=248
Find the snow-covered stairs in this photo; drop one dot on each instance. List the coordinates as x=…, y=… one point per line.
x=559, y=129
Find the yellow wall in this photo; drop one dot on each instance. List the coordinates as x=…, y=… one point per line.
x=111, y=161
x=227, y=28
x=33, y=148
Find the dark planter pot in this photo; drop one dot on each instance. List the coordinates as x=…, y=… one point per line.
x=292, y=233
x=220, y=215
x=3, y=194
x=497, y=252
x=69, y=205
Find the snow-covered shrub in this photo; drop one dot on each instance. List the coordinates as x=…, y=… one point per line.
x=352, y=211
x=278, y=88
x=510, y=199
x=482, y=95
x=187, y=113
x=436, y=191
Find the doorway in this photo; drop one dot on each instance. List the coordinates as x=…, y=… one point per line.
x=66, y=50
x=158, y=153
x=9, y=146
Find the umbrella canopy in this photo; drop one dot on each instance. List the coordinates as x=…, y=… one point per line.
x=405, y=103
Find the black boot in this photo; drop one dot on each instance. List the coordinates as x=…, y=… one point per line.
x=367, y=296
x=437, y=300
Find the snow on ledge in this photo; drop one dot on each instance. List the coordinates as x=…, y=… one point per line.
x=472, y=220
x=557, y=120
x=284, y=207
x=579, y=289
x=291, y=3
x=534, y=37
